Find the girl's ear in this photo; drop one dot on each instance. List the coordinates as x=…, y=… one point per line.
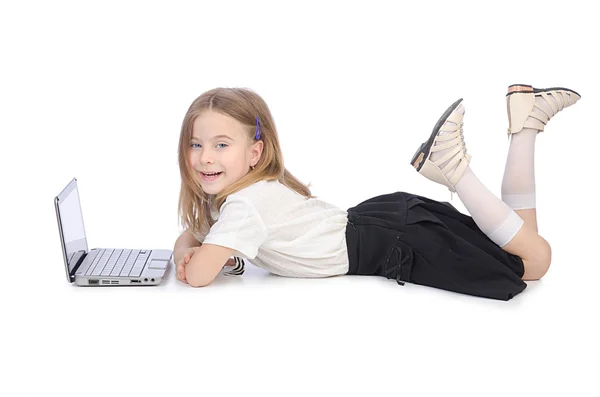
x=256, y=151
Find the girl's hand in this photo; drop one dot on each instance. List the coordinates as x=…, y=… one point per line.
x=187, y=256
x=230, y=262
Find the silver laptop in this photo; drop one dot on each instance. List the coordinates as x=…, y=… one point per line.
x=102, y=267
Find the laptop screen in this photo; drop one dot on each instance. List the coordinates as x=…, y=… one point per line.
x=71, y=222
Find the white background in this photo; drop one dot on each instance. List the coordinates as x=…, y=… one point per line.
x=98, y=91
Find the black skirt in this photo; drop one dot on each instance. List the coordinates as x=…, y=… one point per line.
x=415, y=239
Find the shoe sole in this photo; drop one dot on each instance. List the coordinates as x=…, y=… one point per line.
x=421, y=154
x=524, y=88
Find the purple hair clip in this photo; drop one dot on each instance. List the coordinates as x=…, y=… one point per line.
x=258, y=130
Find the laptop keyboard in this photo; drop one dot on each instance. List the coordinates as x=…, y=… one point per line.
x=118, y=263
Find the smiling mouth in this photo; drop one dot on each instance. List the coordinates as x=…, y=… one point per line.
x=210, y=177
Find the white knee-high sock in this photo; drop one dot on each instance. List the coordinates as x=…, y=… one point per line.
x=518, y=183
x=493, y=216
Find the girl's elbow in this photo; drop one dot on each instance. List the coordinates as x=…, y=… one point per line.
x=197, y=276
x=198, y=281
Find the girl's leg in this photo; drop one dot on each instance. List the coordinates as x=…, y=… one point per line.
x=529, y=110
x=504, y=226
x=518, y=183
x=529, y=216
x=512, y=222
x=499, y=221
x=533, y=250
x=518, y=191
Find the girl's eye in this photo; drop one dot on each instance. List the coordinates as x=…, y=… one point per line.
x=192, y=145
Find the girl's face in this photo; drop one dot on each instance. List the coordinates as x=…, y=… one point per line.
x=220, y=145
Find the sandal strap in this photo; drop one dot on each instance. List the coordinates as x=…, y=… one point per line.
x=536, y=120
x=458, y=156
x=460, y=169
x=450, y=155
x=443, y=146
x=449, y=139
x=455, y=144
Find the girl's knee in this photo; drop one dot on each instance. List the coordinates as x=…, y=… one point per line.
x=537, y=265
x=545, y=257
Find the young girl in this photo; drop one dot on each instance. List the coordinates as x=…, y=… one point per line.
x=237, y=199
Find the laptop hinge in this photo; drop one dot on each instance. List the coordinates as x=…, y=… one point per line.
x=79, y=257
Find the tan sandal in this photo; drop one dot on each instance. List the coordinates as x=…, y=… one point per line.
x=523, y=112
x=431, y=169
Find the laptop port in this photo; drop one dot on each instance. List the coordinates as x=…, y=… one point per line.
x=134, y=281
x=152, y=280
x=93, y=282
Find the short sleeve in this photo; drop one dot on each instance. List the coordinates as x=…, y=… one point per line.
x=239, y=227
x=199, y=236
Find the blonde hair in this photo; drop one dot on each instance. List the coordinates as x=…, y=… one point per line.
x=244, y=105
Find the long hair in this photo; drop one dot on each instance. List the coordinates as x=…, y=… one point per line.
x=244, y=105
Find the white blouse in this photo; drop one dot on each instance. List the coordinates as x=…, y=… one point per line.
x=282, y=232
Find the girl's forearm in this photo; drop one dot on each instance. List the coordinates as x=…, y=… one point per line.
x=185, y=241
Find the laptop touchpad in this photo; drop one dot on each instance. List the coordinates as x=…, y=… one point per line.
x=156, y=264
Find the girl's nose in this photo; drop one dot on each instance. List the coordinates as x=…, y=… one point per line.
x=206, y=157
